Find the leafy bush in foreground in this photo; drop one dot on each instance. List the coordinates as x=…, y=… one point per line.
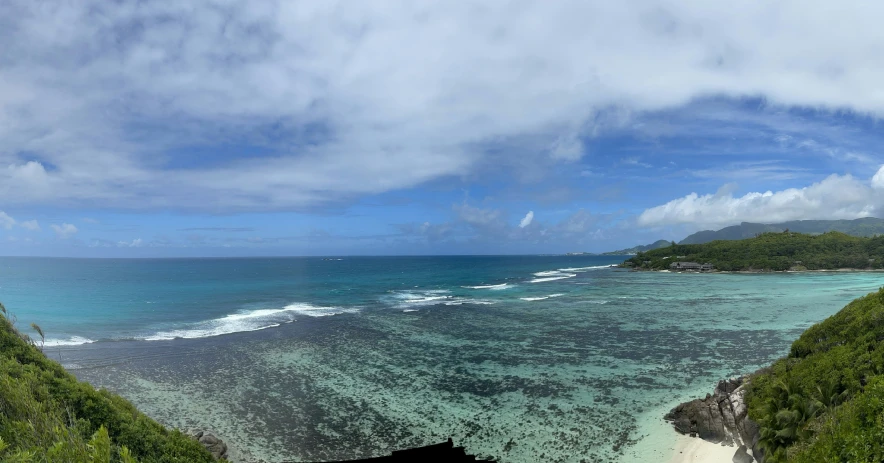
x=47, y=415
x=824, y=402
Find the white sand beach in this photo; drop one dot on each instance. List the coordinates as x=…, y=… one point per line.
x=694, y=450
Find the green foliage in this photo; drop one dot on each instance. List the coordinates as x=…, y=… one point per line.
x=824, y=402
x=641, y=248
x=39, y=331
x=772, y=252
x=100, y=446
x=47, y=415
x=867, y=226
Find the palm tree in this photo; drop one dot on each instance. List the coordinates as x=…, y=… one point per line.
x=786, y=415
x=39, y=331
x=828, y=396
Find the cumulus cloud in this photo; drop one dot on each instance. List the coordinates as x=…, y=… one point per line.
x=479, y=217
x=64, y=231
x=136, y=243
x=835, y=197
x=31, y=225
x=472, y=224
x=6, y=221
x=527, y=219
x=100, y=110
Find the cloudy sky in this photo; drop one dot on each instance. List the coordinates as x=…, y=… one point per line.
x=142, y=128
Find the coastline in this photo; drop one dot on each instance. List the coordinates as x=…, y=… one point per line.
x=660, y=442
x=695, y=450
x=834, y=270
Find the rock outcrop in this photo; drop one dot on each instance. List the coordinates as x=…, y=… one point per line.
x=722, y=417
x=213, y=444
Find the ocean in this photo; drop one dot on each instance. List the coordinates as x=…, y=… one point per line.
x=523, y=358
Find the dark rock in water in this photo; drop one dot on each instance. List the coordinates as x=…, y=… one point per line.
x=214, y=445
x=445, y=451
x=722, y=417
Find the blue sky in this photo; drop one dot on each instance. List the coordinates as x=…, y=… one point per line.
x=379, y=127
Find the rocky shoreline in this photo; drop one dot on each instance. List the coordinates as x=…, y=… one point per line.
x=721, y=418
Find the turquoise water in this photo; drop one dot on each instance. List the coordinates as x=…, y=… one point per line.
x=520, y=358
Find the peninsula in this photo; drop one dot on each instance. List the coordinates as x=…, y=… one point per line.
x=771, y=252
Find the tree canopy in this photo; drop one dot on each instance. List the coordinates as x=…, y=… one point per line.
x=824, y=402
x=772, y=252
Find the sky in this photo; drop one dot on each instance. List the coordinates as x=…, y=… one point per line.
x=233, y=128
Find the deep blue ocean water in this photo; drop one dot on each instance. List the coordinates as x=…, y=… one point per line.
x=524, y=358
x=78, y=300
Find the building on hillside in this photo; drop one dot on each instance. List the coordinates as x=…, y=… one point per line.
x=691, y=267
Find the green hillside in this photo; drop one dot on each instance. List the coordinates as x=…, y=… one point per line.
x=868, y=226
x=47, y=415
x=824, y=402
x=772, y=252
x=640, y=248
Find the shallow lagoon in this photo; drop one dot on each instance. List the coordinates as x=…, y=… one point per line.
x=507, y=371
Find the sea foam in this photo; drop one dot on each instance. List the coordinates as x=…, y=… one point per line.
x=540, y=298
x=425, y=298
x=585, y=269
x=553, y=277
x=252, y=320
x=491, y=287
x=72, y=341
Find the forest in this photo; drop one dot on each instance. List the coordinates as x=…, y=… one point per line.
x=771, y=252
x=824, y=402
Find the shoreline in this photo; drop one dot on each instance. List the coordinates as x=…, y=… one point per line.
x=834, y=270
x=695, y=450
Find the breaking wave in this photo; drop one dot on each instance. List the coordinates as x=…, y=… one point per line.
x=491, y=287
x=72, y=341
x=424, y=298
x=540, y=298
x=553, y=277
x=585, y=269
x=252, y=320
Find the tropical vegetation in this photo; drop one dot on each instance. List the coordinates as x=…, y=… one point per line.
x=47, y=415
x=640, y=248
x=772, y=252
x=824, y=402
x=866, y=226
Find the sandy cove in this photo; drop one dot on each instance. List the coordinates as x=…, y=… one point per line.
x=694, y=450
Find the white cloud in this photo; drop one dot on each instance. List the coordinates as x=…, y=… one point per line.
x=878, y=179
x=64, y=230
x=478, y=225
x=634, y=161
x=31, y=225
x=99, y=91
x=478, y=217
x=136, y=243
x=527, y=219
x=836, y=197
x=6, y=221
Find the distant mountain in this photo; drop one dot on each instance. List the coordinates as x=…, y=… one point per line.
x=637, y=249
x=868, y=226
